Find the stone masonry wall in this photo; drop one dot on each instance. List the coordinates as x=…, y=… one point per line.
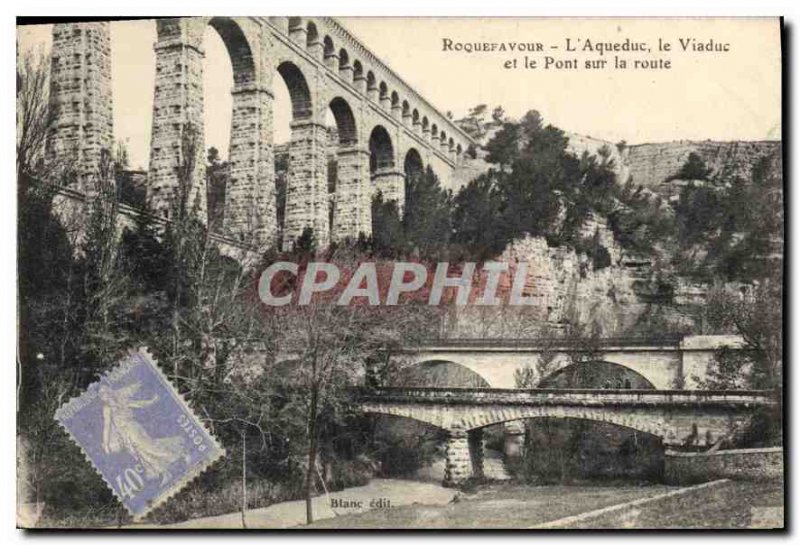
x=307, y=184
x=687, y=468
x=80, y=99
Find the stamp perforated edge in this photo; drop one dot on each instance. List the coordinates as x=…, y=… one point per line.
x=179, y=484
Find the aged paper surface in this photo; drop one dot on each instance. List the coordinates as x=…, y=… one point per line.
x=400, y=273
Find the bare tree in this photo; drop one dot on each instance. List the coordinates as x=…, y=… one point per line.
x=34, y=119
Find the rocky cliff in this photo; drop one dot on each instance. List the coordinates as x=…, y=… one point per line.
x=652, y=164
x=626, y=296
x=565, y=288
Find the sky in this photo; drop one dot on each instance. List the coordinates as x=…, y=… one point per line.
x=734, y=95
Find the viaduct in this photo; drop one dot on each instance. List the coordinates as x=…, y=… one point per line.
x=386, y=130
x=661, y=363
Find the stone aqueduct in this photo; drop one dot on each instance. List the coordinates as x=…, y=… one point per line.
x=385, y=128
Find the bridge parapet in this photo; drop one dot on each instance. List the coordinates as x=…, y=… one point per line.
x=580, y=397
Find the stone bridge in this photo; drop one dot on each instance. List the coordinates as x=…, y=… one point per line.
x=386, y=130
x=679, y=418
x=660, y=363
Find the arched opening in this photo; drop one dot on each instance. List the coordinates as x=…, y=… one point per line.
x=459, y=149
x=409, y=448
x=327, y=47
x=395, y=100
x=297, y=87
x=383, y=90
x=344, y=59
x=345, y=121
x=451, y=144
x=406, y=110
x=381, y=151
x=442, y=138
x=370, y=81
x=228, y=67
x=342, y=133
x=291, y=102
x=425, y=124
x=358, y=70
x=218, y=76
x=596, y=374
x=413, y=168
x=312, y=35
x=558, y=450
x=439, y=374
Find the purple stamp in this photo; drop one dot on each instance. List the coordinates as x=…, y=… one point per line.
x=139, y=434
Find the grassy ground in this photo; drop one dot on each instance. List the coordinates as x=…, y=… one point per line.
x=498, y=506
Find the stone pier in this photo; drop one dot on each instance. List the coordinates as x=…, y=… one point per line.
x=391, y=183
x=514, y=442
x=353, y=195
x=464, y=456
x=458, y=466
x=307, y=185
x=80, y=102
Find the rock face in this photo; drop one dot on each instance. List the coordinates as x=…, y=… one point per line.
x=565, y=288
x=651, y=164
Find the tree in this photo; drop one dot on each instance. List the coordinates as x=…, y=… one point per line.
x=388, y=237
x=330, y=344
x=477, y=211
x=498, y=115
x=694, y=168
x=756, y=314
x=503, y=148
x=426, y=217
x=34, y=117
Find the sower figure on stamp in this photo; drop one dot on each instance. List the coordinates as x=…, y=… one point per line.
x=122, y=431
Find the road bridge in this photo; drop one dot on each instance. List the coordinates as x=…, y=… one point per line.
x=679, y=418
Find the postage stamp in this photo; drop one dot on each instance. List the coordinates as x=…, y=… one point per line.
x=139, y=433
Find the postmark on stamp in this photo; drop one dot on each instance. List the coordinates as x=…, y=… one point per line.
x=139, y=433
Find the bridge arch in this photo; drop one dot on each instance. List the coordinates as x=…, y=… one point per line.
x=239, y=50
x=299, y=92
x=381, y=149
x=412, y=164
x=596, y=374
x=460, y=373
x=345, y=121
x=440, y=373
x=358, y=70
x=312, y=35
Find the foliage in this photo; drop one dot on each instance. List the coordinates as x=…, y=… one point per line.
x=693, y=169
x=425, y=227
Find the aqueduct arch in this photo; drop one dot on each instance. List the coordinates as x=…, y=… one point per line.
x=319, y=60
x=596, y=374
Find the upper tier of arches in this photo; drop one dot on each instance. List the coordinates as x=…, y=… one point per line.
x=331, y=45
